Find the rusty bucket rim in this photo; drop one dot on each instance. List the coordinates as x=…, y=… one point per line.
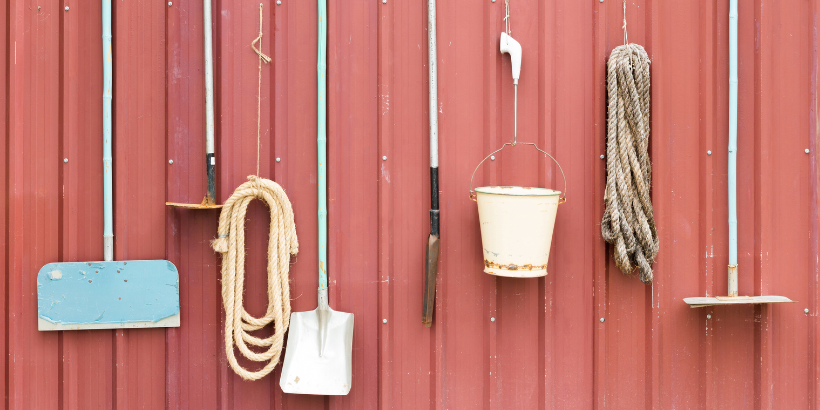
x=516, y=191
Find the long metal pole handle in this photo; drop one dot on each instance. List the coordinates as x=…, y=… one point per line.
x=108, y=136
x=563, y=198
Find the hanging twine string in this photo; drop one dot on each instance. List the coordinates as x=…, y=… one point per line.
x=628, y=221
x=507, y=17
x=624, y=27
x=266, y=59
x=282, y=243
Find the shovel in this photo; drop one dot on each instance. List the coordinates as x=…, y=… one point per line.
x=108, y=294
x=319, y=355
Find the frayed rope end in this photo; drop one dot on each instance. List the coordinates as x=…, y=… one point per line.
x=220, y=245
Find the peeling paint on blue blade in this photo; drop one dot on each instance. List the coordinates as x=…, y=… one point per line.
x=108, y=295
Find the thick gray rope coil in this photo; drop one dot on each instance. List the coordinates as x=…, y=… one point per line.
x=628, y=222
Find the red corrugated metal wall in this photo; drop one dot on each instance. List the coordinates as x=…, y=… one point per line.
x=547, y=347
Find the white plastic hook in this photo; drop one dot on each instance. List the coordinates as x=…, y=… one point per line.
x=513, y=48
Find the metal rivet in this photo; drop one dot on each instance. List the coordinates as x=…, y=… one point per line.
x=492, y=319
x=278, y=2
x=384, y=158
x=65, y=160
x=807, y=151
x=493, y=1
x=170, y=162
x=806, y=310
x=384, y=320
x=492, y=157
x=602, y=156
x=602, y=320
x=709, y=152
x=278, y=159
x=601, y=1
x=384, y=1
x=170, y=4
x=708, y=316
x=66, y=8
x=89, y=281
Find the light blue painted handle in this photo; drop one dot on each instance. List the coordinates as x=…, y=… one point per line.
x=321, y=70
x=108, y=169
x=732, y=182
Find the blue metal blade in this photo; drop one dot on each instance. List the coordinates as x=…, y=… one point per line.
x=70, y=293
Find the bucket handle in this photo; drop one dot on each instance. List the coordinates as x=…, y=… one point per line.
x=512, y=144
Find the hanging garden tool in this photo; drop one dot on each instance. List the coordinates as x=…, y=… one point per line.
x=209, y=202
x=733, y=298
x=628, y=221
x=516, y=222
x=282, y=244
x=319, y=359
x=433, y=245
x=108, y=294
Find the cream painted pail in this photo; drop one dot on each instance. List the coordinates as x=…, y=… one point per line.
x=516, y=229
x=517, y=224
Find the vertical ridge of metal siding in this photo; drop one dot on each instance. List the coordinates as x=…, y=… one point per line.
x=5, y=129
x=33, y=200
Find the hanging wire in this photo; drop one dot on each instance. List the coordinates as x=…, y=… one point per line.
x=507, y=17
x=266, y=59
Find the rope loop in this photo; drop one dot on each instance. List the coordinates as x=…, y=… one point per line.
x=282, y=243
x=628, y=222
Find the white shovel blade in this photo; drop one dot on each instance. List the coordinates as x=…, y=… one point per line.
x=304, y=371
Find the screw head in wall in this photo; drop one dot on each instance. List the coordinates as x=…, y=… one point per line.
x=278, y=2
x=602, y=156
x=384, y=1
x=492, y=319
x=806, y=310
x=170, y=4
x=384, y=158
x=709, y=152
x=66, y=9
x=384, y=320
x=602, y=320
x=278, y=159
x=170, y=162
x=65, y=160
x=807, y=151
x=492, y=157
x=708, y=316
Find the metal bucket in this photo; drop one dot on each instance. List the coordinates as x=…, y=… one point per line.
x=516, y=229
x=516, y=225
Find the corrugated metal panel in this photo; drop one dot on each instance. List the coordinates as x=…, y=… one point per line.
x=547, y=347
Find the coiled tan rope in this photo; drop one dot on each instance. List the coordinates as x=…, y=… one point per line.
x=282, y=243
x=628, y=220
